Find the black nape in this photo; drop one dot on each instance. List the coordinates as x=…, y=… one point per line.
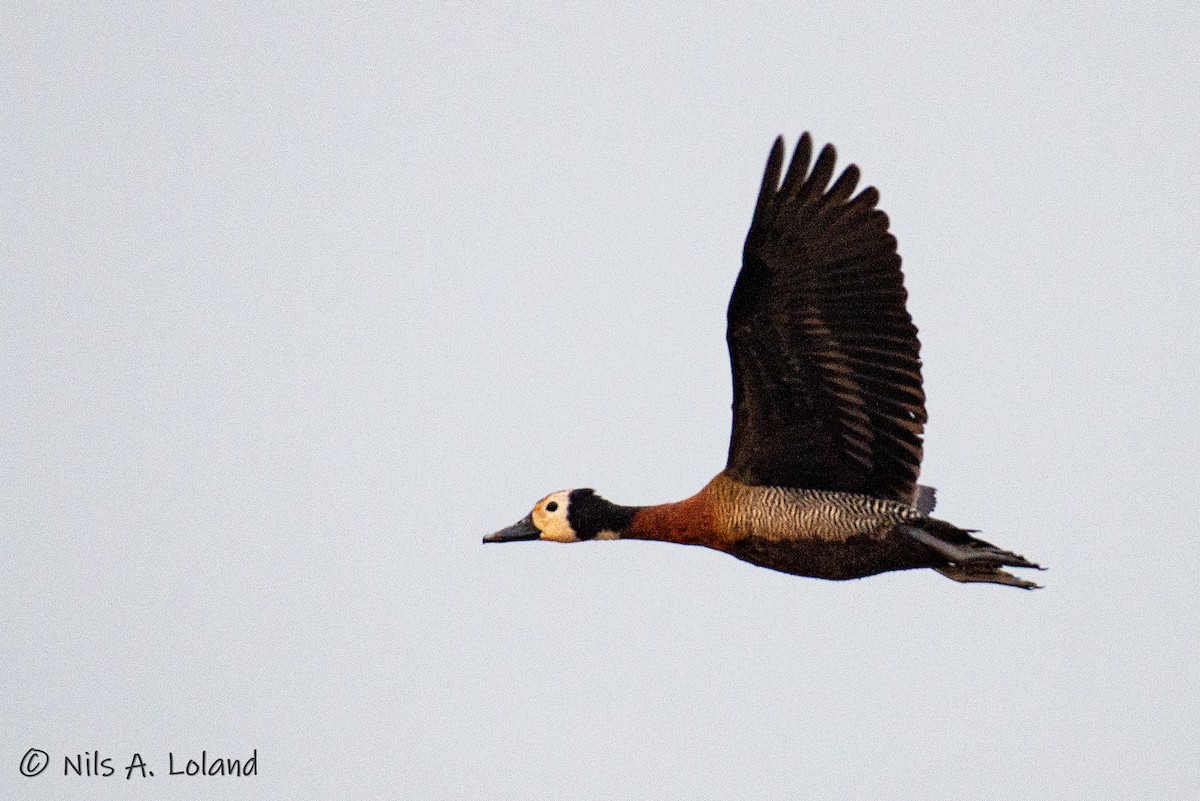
x=589, y=514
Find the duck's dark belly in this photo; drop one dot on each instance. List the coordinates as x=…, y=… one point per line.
x=837, y=559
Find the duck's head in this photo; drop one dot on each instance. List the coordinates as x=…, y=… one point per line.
x=569, y=516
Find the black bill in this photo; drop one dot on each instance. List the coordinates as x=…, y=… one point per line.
x=524, y=530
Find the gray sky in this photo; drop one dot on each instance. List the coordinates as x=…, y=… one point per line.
x=295, y=306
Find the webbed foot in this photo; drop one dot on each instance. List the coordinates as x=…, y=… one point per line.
x=990, y=576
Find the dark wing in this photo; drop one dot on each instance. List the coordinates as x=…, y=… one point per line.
x=826, y=363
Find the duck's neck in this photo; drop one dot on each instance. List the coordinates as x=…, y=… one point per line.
x=691, y=521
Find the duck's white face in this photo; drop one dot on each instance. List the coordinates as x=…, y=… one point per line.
x=549, y=515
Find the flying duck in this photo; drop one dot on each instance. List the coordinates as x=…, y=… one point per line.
x=828, y=408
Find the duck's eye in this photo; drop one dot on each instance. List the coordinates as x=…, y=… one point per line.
x=552, y=506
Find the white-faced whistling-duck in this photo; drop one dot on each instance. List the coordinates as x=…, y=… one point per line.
x=828, y=409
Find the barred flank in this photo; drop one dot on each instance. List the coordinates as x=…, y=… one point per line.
x=788, y=514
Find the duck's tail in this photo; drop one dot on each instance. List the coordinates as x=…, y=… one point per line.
x=969, y=559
